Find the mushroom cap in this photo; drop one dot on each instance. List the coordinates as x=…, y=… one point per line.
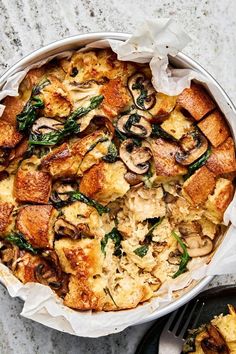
x=197, y=246
x=135, y=157
x=133, y=179
x=134, y=124
x=45, y=125
x=65, y=228
x=194, y=145
x=142, y=91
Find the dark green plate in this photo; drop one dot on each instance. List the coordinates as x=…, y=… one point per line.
x=210, y=303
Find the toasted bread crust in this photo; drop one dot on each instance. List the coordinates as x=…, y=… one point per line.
x=5, y=215
x=9, y=136
x=222, y=159
x=215, y=128
x=196, y=101
x=35, y=222
x=60, y=162
x=32, y=186
x=81, y=297
x=199, y=186
x=116, y=97
x=82, y=259
x=217, y=203
x=92, y=181
x=164, y=158
x=13, y=106
x=56, y=99
x=105, y=182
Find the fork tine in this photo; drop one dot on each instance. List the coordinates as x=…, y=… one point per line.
x=185, y=326
x=170, y=321
x=198, y=315
x=175, y=329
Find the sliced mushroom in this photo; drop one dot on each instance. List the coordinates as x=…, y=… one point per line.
x=193, y=145
x=60, y=189
x=133, y=179
x=213, y=341
x=64, y=228
x=46, y=276
x=174, y=258
x=197, y=246
x=135, y=157
x=52, y=258
x=142, y=91
x=9, y=254
x=134, y=124
x=45, y=125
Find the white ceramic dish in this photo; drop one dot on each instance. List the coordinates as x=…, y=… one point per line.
x=180, y=61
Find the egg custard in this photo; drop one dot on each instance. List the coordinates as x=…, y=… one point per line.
x=107, y=187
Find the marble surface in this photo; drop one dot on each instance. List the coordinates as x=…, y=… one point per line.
x=26, y=25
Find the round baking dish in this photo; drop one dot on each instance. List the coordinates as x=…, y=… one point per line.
x=180, y=61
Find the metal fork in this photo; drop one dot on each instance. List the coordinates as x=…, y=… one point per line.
x=171, y=341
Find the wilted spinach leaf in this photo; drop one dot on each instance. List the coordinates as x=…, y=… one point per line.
x=116, y=237
x=18, y=239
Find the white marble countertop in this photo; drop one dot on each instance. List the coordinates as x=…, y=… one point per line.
x=26, y=25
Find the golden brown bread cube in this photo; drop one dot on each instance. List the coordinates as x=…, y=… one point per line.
x=105, y=182
x=36, y=222
x=222, y=159
x=5, y=215
x=83, y=260
x=56, y=99
x=116, y=97
x=81, y=297
x=66, y=160
x=13, y=106
x=80, y=257
x=163, y=106
x=177, y=124
x=217, y=203
x=32, y=186
x=215, y=128
x=164, y=158
x=196, y=101
x=60, y=162
x=197, y=187
x=9, y=136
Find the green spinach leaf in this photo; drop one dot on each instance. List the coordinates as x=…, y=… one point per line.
x=185, y=258
x=18, y=239
x=116, y=237
x=158, y=132
x=112, y=153
x=71, y=125
x=141, y=251
x=197, y=164
x=29, y=114
x=77, y=196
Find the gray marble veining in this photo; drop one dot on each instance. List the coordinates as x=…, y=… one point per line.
x=26, y=25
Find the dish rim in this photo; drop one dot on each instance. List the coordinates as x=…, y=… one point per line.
x=79, y=40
